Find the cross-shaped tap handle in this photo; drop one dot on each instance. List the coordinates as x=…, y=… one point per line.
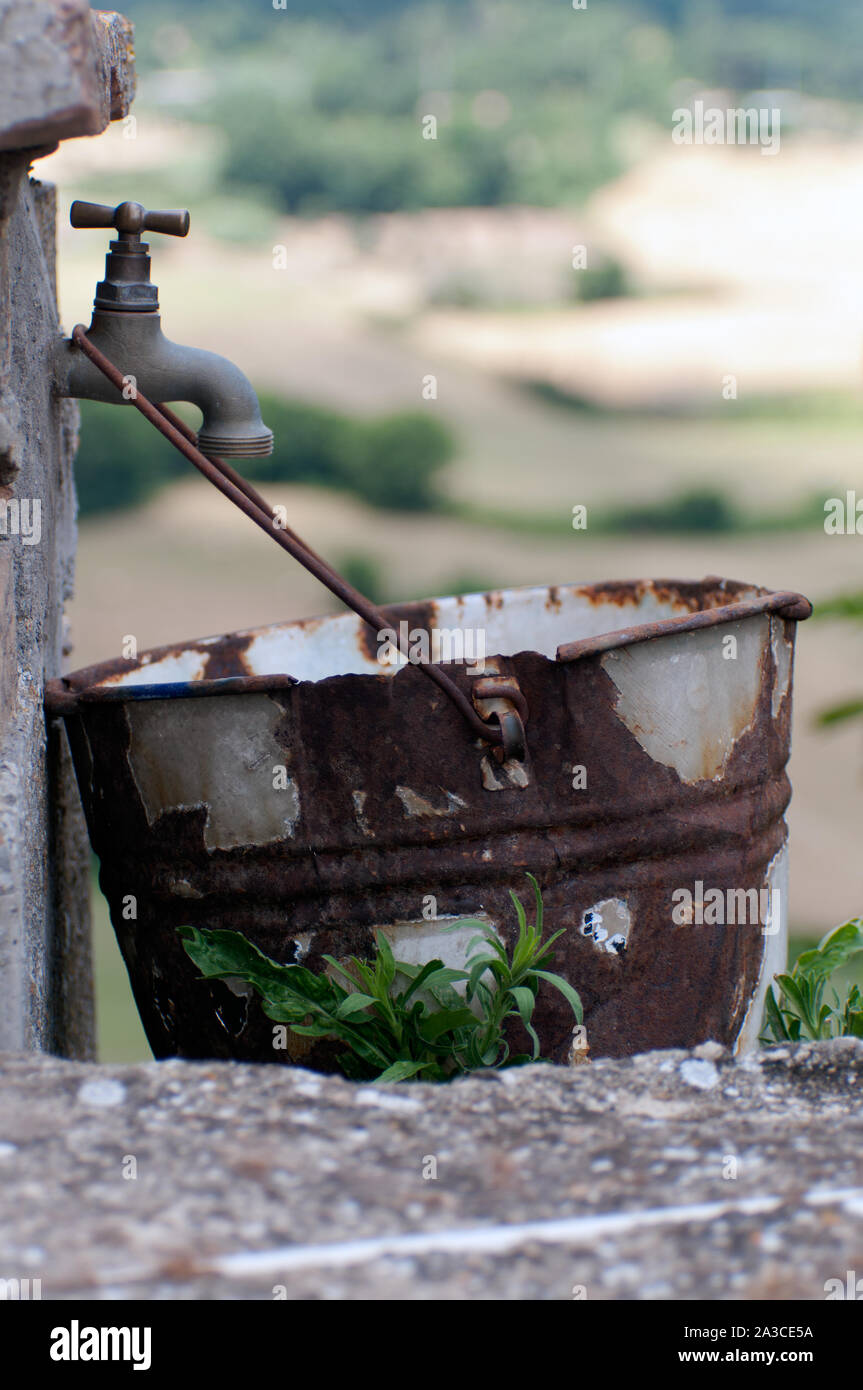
x=129, y=218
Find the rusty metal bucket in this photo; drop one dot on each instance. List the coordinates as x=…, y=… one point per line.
x=307, y=809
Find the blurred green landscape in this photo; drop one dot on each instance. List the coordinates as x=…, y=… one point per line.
x=314, y=110
x=345, y=261
x=320, y=101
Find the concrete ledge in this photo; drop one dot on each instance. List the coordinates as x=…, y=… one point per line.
x=64, y=70
x=609, y=1181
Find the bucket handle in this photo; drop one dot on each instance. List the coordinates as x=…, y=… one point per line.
x=233, y=486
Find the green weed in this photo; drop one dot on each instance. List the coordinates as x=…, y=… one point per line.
x=400, y=1021
x=798, y=1010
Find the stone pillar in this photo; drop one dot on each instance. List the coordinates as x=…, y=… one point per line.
x=64, y=71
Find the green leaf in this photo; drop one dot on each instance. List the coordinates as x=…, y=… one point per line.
x=570, y=995
x=478, y=967
x=807, y=1005
x=340, y=969
x=445, y=1021
x=484, y=995
x=833, y=950
x=547, y=945
x=386, y=960
x=315, y=1030
x=445, y=976
x=364, y=976
x=524, y=1002
x=408, y=969
x=519, y=912
x=376, y=1056
x=401, y=1071
x=445, y=996
x=431, y=972
x=354, y=1004
x=854, y=1023
x=497, y=946
x=791, y=989
x=534, y=1037
x=287, y=989
x=775, y=1021
x=481, y=939
x=538, y=899
x=220, y=953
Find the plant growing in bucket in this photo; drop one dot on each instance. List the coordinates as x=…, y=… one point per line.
x=399, y=1021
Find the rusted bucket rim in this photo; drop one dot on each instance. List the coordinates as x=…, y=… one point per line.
x=785, y=602
x=104, y=682
x=60, y=698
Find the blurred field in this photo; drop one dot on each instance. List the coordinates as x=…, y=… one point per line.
x=741, y=265
x=120, y=1036
x=773, y=296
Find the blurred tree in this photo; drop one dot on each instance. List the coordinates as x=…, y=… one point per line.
x=399, y=459
x=122, y=460
x=392, y=461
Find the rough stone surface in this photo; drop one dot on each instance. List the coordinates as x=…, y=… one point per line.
x=114, y=37
x=64, y=70
x=44, y=929
x=612, y=1180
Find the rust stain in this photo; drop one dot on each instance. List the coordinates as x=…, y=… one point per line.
x=684, y=595
x=227, y=657
x=367, y=642
x=421, y=615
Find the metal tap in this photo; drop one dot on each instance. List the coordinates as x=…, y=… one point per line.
x=127, y=327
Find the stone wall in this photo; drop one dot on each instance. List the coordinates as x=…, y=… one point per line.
x=668, y=1176
x=64, y=71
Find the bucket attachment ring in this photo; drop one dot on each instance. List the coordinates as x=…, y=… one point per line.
x=510, y=709
x=514, y=745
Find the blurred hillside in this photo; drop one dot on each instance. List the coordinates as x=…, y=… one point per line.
x=343, y=262
x=320, y=103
